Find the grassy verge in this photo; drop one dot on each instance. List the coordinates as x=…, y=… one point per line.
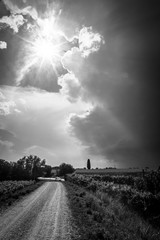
x=10, y=197
x=102, y=217
x=132, y=192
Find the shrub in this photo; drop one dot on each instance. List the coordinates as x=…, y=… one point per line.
x=65, y=169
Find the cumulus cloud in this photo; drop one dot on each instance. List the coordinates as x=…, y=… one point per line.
x=74, y=49
x=3, y=45
x=45, y=117
x=6, y=107
x=2, y=97
x=72, y=61
x=89, y=41
x=13, y=21
x=21, y=7
x=70, y=86
x=75, y=62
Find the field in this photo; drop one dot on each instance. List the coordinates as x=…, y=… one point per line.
x=12, y=186
x=126, y=202
x=12, y=190
x=131, y=171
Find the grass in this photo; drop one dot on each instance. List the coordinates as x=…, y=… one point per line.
x=10, y=197
x=135, y=193
x=102, y=217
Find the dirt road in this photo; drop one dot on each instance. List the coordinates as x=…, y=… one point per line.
x=43, y=214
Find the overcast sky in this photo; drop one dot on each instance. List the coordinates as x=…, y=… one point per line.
x=79, y=80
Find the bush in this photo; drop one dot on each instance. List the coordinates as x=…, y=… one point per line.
x=65, y=169
x=138, y=194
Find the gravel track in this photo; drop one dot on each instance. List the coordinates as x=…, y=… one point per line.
x=43, y=214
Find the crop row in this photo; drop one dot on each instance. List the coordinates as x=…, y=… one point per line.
x=150, y=182
x=145, y=203
x=12, y=186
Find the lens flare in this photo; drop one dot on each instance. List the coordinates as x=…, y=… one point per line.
x=46, y=50
x=45, y=45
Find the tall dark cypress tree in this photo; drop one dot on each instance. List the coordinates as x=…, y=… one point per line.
x=88, y=164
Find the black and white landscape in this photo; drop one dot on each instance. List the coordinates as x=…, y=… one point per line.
x=79, y=80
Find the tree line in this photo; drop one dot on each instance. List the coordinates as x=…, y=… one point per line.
x=30, y=168
x=27, y=168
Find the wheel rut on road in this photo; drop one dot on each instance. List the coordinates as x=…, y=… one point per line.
x=43, y=214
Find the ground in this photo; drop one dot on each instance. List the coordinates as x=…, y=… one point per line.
x=43, y=214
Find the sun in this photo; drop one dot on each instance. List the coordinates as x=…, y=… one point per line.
x=44, y=47
x=47, y=45
x=45, y=42
x=46, y=50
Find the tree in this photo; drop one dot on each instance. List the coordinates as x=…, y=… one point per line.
x=26, y=168
x=48, y=170
x=88, y=164
x=32, y=166
x=65, y=169
x=5, y=169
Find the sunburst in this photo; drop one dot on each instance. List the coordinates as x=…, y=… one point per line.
x=44, y=47
x=47, y=46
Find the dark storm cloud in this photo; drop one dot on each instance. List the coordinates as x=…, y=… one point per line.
x=137, y=30
x=124, y=78
x=105, y=135
x=133, y=104
x=3, y=10
x=98, y=128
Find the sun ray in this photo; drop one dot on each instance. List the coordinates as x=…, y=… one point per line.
x=54, y=69
x=45, y=46
x=25, y=69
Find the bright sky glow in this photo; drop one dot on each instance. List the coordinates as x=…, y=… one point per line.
x=46, y=44
x=46, y=50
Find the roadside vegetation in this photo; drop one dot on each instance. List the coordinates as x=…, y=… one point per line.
x=27, y=168
x=22, y=177
x=10, y=191
x=19, y=178
x=116, y=207
x=65, y=169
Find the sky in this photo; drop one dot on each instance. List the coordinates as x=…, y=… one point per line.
x=79, y=80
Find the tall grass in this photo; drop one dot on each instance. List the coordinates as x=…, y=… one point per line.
x=137, y=198
x=101, y=216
